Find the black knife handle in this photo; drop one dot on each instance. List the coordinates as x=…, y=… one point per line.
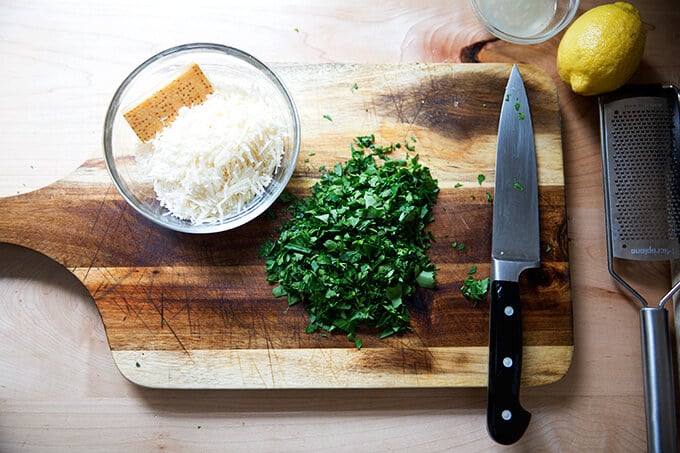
x=506, y=419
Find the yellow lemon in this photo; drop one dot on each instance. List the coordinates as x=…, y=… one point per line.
x=600, y=51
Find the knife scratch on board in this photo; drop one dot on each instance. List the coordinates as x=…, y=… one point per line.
x=100, y=208
x=328, y=359
x=424, y=362
x=165, y=323
x=193, y=328
x=398, y=105
x=271, y=351
x=110, y=290
x=95, y=223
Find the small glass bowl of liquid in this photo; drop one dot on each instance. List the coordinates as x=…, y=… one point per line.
x=524, y=21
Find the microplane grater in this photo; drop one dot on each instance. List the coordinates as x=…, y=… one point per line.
x=642, y=166
x=640, y=135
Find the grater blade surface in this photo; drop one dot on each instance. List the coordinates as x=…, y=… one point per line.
x=642, y=176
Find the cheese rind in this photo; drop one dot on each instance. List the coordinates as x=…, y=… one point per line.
x=161, y=108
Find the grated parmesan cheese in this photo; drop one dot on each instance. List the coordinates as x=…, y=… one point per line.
x=217, y=156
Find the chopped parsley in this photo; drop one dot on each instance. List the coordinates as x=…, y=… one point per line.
x=458, y=245
x=328, y=117
x=475, y=289
x=354, y=251
x=480, y=179
x=517, y=185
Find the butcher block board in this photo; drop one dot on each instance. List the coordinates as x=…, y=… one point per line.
x=196, y=311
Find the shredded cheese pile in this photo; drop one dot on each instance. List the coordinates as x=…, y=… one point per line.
x=215, y=157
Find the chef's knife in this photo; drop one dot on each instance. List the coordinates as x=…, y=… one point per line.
x=514, y=248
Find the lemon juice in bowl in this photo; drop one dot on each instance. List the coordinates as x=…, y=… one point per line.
x=522, y=18
x=524, y=21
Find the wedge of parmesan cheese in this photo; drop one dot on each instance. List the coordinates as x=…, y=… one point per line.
x=217, y=156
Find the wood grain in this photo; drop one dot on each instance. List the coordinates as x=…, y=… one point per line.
x=196, y=311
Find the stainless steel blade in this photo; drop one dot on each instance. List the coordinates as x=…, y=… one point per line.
x=515, y=243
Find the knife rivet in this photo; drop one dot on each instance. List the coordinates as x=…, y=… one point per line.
x=506, y=415
x=509, y=311
x=507, y=362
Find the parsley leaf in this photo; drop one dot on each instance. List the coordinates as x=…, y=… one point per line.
x=475, y=289
x=517, y=185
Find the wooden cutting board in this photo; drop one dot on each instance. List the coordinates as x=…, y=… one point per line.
x=187, y=311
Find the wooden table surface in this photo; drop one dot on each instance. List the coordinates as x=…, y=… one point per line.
x=59, y=387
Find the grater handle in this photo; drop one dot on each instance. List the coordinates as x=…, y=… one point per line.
x=658, y=381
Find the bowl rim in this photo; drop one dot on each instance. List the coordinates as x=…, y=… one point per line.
x=185, y=226
x=538, y=38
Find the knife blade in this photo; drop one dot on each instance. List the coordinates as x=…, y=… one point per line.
x=515, y=247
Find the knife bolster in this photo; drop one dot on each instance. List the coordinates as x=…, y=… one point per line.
x=510, y=270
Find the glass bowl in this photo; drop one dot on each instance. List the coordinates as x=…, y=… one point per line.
x=226, y=63
x=524, y=21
